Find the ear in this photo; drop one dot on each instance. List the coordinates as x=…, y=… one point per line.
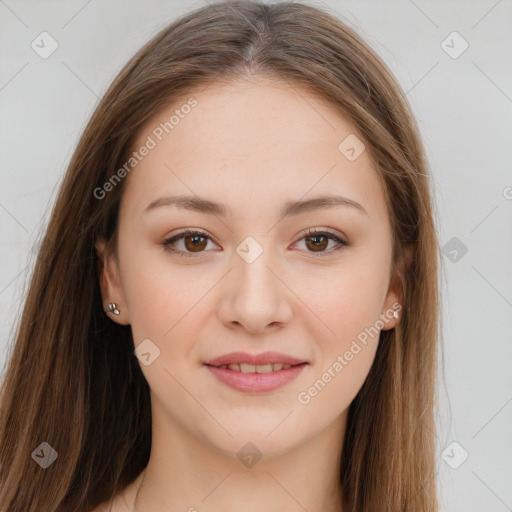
x=110, y=284
x=394, y=298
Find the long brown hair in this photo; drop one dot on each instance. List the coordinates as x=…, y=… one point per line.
x=73, y=380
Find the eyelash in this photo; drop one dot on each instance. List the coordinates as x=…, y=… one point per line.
x=308, y=234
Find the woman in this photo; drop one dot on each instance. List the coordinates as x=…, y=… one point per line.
x=235, y=303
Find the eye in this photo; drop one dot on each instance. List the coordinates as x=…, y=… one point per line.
x=318, y=240
x=194, y=242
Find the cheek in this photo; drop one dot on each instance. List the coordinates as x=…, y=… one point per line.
x=156, y=299
x=349, y=306
x=331, y=391
x=167, y=304
x=350, y=309
x=345, y=300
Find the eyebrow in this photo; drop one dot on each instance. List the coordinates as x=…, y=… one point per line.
x=290, y=208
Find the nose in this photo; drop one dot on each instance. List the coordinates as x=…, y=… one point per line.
x=255, y=297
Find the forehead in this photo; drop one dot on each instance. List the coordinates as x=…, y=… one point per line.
x=252, y=144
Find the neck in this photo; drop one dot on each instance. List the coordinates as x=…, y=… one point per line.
x=185, y=474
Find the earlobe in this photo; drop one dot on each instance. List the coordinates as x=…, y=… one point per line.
x=392, y=308
x=394, y=300
x=111, y=290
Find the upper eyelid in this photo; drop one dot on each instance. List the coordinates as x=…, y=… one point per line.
x=191, y=232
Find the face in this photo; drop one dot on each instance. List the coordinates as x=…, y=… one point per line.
x=313, y=285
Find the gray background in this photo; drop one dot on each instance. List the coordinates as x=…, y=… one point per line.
x=463, y=106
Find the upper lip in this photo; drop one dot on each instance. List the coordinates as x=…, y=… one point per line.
x=256, y=359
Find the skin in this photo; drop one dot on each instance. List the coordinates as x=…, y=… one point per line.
x=251, y=144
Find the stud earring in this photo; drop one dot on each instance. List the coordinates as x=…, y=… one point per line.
x=111, y=308
x=395, y=314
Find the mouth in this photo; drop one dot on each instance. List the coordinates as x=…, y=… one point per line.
x=255, y=374
x=256, y=368
x=265, y=361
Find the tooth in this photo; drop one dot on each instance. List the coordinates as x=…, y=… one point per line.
x=247, y=368
x=278, y=366
x=263, y=368
x=234, y=366
x=286, y=366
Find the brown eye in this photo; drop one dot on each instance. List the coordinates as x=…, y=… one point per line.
x=195, y=243
x=190, y=243
x=319, y=242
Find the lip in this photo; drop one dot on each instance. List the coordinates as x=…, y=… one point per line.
x=263, y=358
x=256, y=382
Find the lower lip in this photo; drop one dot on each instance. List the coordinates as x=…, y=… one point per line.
x=256, y=382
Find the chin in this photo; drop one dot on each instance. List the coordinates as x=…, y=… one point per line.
x=257, y=439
